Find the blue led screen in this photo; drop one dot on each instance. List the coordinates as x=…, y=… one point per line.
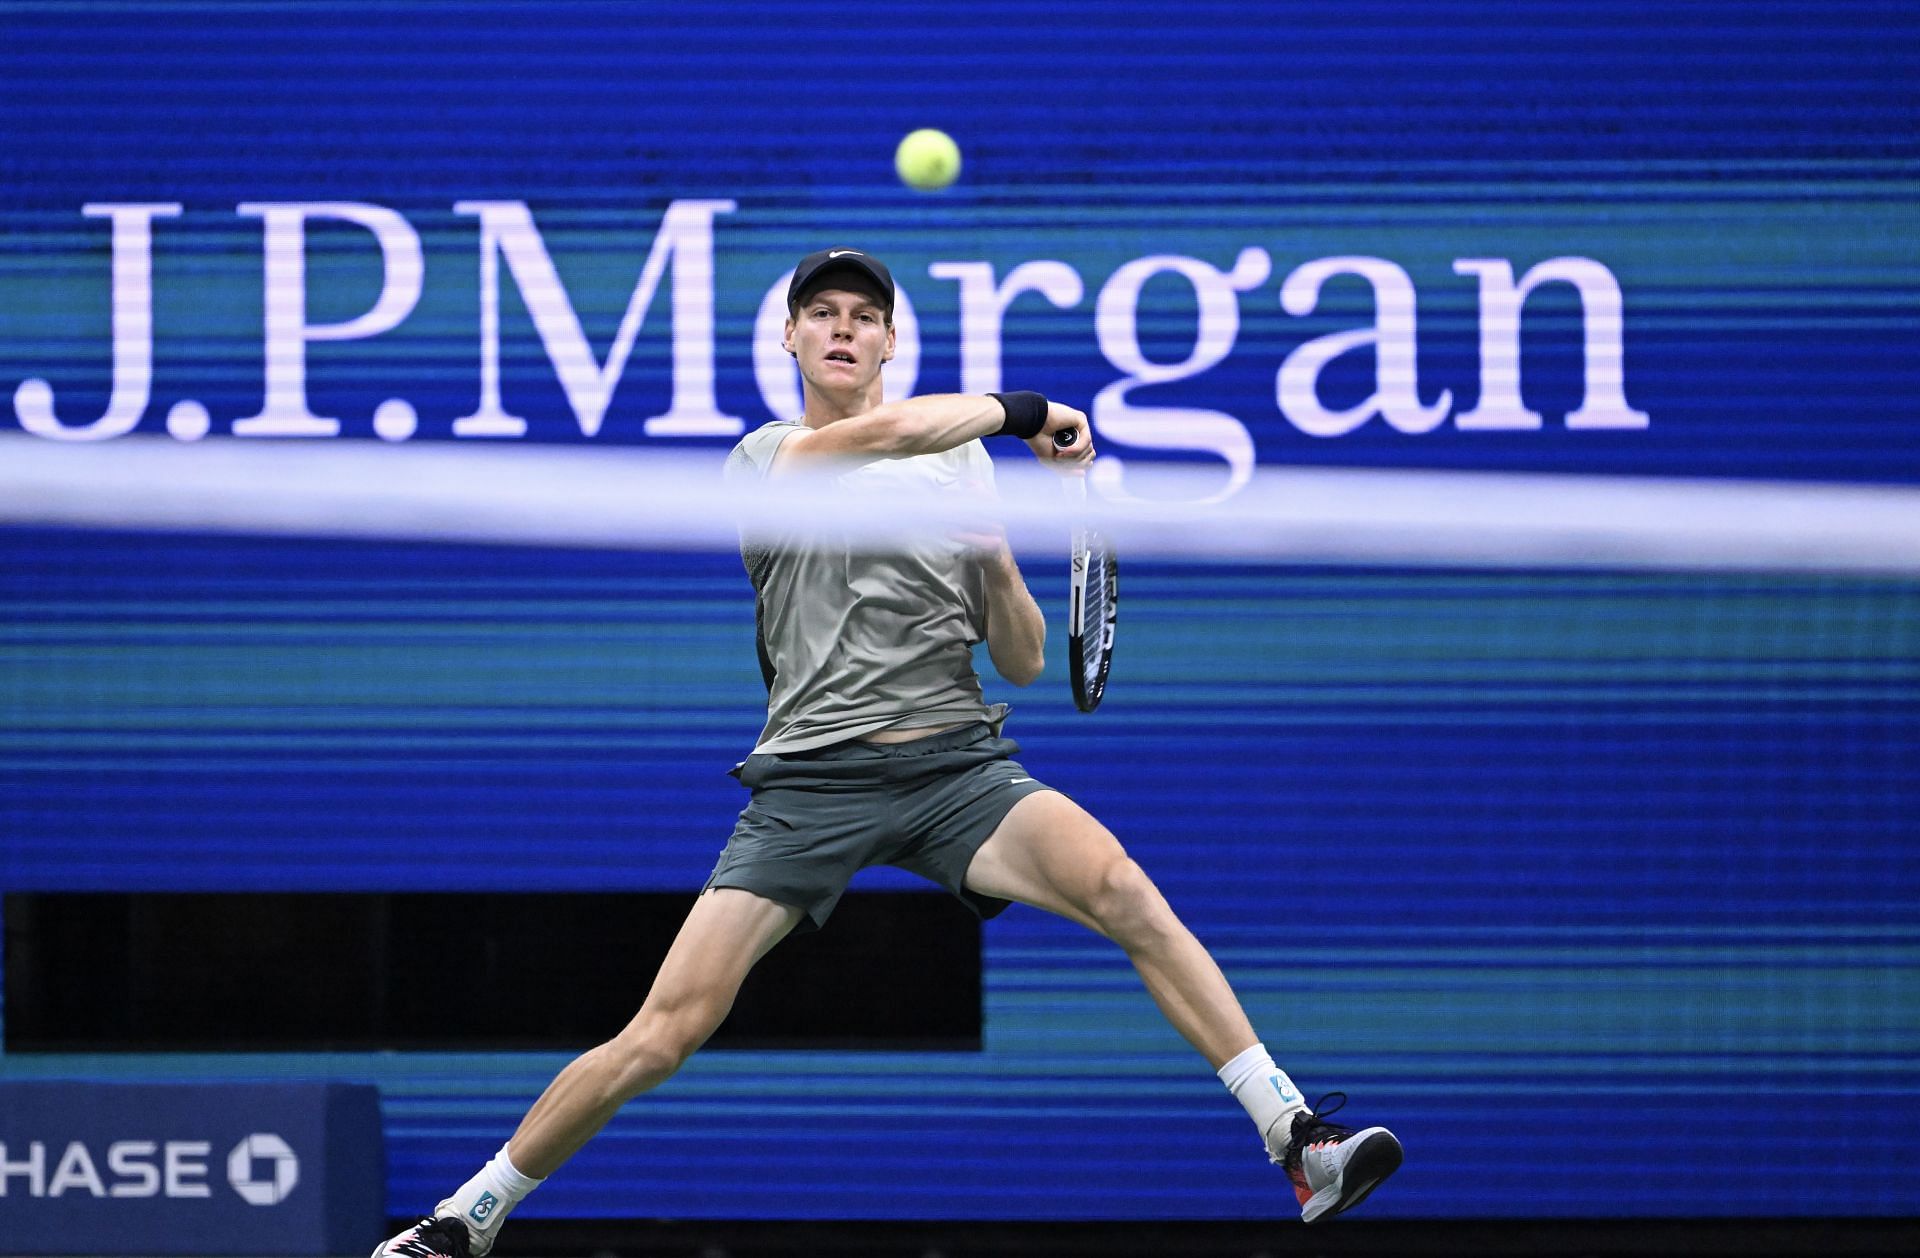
x=1507, y=856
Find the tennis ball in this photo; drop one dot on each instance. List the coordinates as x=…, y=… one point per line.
x=927, y=159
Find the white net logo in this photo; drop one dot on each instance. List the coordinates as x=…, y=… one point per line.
x=248, y=1155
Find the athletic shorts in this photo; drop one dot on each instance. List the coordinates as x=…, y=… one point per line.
x=818, y=817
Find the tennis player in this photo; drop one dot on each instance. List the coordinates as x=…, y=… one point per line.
x=880, y=749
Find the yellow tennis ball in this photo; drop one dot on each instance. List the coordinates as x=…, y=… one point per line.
x=927, y=159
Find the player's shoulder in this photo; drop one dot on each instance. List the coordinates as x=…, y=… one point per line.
x=773, y=432
x=756, y=449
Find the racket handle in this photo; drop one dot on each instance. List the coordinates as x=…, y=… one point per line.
x=1065, y=438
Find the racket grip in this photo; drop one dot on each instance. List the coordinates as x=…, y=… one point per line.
x=1065, y=438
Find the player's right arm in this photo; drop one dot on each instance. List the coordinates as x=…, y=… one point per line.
x=920, y=425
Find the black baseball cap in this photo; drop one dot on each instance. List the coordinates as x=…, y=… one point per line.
x=816, y=268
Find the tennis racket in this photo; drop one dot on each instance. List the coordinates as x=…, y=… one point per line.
x=1094, y=599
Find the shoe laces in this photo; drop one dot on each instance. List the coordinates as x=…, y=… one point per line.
x=1310, y=1127
x=436, y=1238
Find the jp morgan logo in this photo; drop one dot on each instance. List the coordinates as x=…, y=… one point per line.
x=681, y=262
x=263, y=1150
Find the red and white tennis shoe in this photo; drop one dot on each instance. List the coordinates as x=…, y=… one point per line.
x=1332, y=1167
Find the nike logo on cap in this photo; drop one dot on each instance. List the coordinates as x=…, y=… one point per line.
x=841, y=253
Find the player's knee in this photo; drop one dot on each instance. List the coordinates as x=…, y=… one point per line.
x=650, y=1053
x=639, y=1063
x=1126, y=904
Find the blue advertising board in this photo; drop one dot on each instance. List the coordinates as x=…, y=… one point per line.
x=123, y=1168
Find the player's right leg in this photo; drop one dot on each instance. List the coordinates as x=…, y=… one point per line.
x=728, y=931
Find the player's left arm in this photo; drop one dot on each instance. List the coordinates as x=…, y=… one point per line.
x=1016, y=629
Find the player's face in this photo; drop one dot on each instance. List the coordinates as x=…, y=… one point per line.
x=840, y=338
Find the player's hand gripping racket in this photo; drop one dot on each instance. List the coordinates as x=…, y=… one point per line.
x=1094, y=600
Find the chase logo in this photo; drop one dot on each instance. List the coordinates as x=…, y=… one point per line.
x=483, y=1207
x=282, y=1168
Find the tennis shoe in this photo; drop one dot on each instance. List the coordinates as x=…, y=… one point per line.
x=439, y=1237
x=1332, y=1167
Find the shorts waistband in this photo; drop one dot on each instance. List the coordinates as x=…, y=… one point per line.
x=857, y=749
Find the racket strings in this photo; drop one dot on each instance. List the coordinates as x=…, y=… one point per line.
x=1095, y=608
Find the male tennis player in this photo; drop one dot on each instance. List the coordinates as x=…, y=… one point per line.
x=879, y=749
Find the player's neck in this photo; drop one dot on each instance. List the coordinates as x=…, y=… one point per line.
x=825, y=406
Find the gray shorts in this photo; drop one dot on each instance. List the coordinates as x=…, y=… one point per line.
x=819, y=817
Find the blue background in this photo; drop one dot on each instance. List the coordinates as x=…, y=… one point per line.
x=1540, y=867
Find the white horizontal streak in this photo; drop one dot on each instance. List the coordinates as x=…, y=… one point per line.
x=654, y=499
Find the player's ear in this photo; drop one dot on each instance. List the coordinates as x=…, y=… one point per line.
x=888, y=356
x=786, y=340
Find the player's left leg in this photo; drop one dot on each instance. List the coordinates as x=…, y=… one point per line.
x=1051, y=853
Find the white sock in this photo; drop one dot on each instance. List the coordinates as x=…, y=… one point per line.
x=483, y=1202
x=1270, y=1098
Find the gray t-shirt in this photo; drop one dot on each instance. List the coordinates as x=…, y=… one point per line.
x=854, y=641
